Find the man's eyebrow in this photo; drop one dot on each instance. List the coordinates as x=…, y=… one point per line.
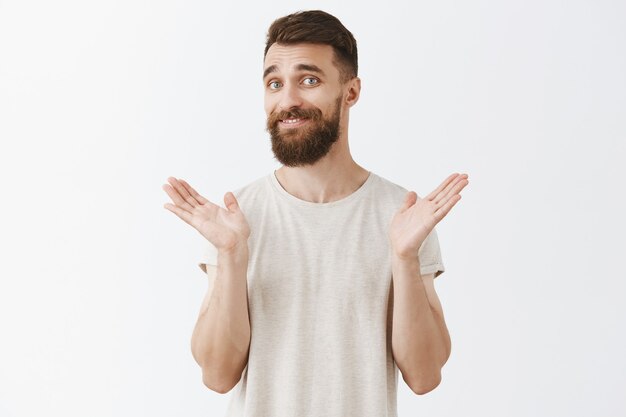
x=299, y=67
x=269, y=70
x=310, y=68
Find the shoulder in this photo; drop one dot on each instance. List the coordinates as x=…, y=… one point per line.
x=388, y=190
x=252, y=190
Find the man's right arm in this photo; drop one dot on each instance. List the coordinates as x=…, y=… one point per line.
x=221, y=337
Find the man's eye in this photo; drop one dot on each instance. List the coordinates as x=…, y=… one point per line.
x=310, y=81
x=274, y=85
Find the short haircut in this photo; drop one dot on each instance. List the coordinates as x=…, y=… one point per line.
x=317, y=26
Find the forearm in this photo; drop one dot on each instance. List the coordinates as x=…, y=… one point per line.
x=221, y=337
x=420, y=339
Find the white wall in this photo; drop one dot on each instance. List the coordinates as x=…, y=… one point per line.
x=101, y=101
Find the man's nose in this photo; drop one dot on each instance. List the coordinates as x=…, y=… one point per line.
x=290, y=98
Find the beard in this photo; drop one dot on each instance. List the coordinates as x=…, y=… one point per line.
x=306, y=144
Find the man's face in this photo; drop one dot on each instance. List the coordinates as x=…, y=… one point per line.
x=303, y=102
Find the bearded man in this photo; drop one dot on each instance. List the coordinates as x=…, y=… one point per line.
x=321, y=274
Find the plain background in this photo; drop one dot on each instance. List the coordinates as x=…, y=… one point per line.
x=101, y=101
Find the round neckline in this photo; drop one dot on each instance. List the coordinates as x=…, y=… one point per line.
x=355, y=194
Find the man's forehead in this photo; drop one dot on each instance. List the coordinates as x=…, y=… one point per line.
x=301, y=56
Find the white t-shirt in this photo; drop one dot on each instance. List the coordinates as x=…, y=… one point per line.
x=319, y=281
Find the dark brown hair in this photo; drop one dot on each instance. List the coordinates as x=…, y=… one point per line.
x=317, y=26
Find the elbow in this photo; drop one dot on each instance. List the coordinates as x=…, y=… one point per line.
x=221, y=386
x=218, y=379
x=425, y=386
x=220, y=373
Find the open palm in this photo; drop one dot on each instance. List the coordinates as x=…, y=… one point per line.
x=418, y=216
x=226, y=228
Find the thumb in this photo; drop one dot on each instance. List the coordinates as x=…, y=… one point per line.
x=231, y=202
x=409, y=200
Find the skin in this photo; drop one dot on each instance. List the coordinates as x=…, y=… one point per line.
x=336, y=175
x=221, y=337
x=420, y=339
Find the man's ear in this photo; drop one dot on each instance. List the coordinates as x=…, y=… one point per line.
x=354, y=91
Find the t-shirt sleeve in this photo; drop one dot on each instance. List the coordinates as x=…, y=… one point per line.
x=208, y=255
x=430, y=255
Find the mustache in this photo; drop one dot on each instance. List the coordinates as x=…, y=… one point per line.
x=313, y=114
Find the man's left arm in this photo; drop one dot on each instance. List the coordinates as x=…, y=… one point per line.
x=420, y=338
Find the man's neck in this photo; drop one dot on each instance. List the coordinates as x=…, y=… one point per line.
x=324, y=182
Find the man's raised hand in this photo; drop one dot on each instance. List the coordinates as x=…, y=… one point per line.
x=226, y=228
x=417, y=217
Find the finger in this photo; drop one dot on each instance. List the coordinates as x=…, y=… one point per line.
x=176, y=198
x=441, y=186
x=231, y=202
x=446, y=191
x=409, y=200
x=189, y=196
x=194, y=193
x=458, y=186
x=183, y=214
x=445, y=209
x=183, y=191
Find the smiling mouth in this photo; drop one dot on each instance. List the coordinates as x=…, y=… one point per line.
x=293, y=122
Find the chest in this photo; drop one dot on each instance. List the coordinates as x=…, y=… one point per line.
x=320, y=266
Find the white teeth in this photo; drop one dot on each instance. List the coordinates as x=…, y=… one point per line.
x=291, y=120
